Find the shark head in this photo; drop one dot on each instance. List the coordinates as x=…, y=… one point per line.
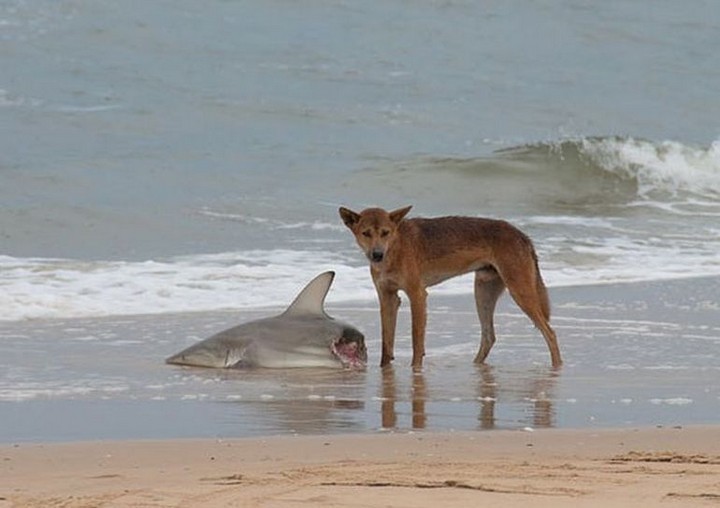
x=302, y=336
x=350, y=348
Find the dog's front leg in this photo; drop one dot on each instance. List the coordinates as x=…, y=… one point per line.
x=418, y=313
x=389, y=305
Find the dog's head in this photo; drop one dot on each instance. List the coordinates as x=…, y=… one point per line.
x=375, y=229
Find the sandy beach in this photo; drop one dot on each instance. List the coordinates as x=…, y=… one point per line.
x=654, y=466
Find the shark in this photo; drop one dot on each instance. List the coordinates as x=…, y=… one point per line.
x=302, y=336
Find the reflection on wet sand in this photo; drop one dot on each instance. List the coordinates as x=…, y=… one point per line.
x=450, y=396
x=534, y=390
x=312, y=416
x=498, y=394
x=418, y=397
x=299, y=401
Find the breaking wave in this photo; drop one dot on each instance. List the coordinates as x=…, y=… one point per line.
x=579, y=174
x=668, y=167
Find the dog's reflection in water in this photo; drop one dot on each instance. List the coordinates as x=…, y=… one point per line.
x=497, y=395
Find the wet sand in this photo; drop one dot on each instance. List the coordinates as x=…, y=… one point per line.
x=610, y=468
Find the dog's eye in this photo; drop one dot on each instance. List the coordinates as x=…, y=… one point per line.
x=367, y=234
x=384, y=233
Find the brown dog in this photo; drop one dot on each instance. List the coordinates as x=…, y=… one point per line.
x=413, y=254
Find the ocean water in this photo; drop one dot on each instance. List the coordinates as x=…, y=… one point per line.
x=175, y=156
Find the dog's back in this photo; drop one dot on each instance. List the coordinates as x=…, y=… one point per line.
x=454, y=232
x=464, y=244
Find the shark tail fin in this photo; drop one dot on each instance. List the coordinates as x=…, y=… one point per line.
x=311, y=300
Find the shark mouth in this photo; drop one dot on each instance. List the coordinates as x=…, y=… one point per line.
x=350, y=354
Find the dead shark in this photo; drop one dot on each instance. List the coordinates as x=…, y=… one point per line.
x=302, y=336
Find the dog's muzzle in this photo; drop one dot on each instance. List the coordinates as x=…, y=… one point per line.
x=376, y=255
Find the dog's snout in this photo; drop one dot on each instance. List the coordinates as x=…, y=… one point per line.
x=376, y=255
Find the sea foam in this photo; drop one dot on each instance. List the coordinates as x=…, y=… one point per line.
x=32, y=288
x=50, y=288
x=668, y=166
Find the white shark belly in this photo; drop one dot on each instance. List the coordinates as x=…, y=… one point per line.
x=301, y=357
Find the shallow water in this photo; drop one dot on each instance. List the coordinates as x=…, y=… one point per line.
x=640, y=354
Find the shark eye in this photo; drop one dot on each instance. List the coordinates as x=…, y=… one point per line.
x=367, y=233
x=384, y=233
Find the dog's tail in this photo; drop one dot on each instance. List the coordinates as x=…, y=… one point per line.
x=541, y=289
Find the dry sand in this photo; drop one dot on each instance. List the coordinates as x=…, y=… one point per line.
x=608, y=468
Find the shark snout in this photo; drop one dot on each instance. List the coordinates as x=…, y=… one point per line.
x=201, y=355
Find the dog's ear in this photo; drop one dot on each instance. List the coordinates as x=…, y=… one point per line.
x=349, y=217
x=397, y=215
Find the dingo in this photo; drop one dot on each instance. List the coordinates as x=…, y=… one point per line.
x=413, y=254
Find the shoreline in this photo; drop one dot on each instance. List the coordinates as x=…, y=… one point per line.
x=553, y=467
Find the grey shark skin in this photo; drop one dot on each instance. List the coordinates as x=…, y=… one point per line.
x=302, y=336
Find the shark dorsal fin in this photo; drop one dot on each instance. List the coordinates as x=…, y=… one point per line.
x=311, y=300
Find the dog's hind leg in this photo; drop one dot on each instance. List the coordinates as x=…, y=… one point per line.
x=525, y=288
x=488, y=288
x=418, y=312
